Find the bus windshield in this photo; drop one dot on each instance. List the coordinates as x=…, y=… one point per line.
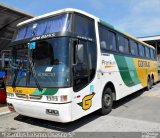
x=50, y=60
x=53, y=24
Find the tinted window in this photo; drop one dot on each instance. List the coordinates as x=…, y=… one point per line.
x=152, y=53
x=54, y=24
x=103, y=34
x=49, y=53
x=147, y=52
x=126, y=45
x=85, y=67
x=107, y=39
x=84, y=26
x=141, y=50
x=92, y=57
x=80, y=71
x=121, y=43
x=112, y=41
x=134, y=48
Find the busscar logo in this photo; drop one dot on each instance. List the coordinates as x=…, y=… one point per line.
x=17, y=91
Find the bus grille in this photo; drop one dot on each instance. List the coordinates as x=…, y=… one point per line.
x=21, y=95
x=24, y=96
x=36, y=97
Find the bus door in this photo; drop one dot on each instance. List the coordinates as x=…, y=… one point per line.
x=84, y=79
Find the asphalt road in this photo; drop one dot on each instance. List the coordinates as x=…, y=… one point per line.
x=138, y=112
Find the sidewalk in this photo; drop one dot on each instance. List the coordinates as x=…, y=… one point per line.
x=154, y=92
x=4, y=109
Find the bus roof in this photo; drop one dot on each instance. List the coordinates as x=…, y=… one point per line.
x=138, y=40
x=68, y=10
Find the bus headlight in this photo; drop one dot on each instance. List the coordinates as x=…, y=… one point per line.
x=52, y=98
x=62, y=98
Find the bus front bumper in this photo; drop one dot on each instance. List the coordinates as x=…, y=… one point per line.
x=47, y=111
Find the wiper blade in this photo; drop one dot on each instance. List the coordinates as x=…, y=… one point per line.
x=15, y=76
x=34, y=74
x=17, y=68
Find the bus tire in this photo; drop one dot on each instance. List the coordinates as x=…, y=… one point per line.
x=107, y=101
x=149, y=84
x=152, y=81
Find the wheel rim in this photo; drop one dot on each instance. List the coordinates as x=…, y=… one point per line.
x=107, y=100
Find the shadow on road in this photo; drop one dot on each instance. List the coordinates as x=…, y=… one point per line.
x=65, y=127
x=68, y=127
x=128, y=98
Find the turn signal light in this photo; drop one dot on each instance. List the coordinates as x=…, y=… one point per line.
x=64, y=98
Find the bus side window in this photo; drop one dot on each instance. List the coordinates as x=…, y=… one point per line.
x=126, y=45
x=121, y=43
x=112, y=41
x=107, y=39
x=132, y=47
x=152, y=53
x=147, y=52
x=136, y=48
x=103, y=35
x=141, y=50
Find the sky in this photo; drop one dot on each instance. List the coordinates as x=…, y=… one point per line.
x=137, y=17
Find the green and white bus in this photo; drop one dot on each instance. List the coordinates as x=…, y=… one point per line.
x=67, y=64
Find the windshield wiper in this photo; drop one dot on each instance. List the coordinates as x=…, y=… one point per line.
x=15, y=76
x=34, y=73
x=17, y=68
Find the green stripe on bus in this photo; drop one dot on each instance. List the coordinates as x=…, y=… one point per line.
x=127, y=70
x=106, y=24
x=46, y=91
x=132, y=70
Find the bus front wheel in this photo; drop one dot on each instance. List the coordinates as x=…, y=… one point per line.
x=107, y=101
